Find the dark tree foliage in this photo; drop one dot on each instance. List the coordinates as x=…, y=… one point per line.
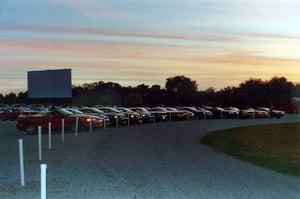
x=156, y=96
x=133, y=99
x=281, y=90
x=98, y=97
x=207, y=97
x=296, y=91
x=226, y=97
x=11, y=98
x=1, y=98
x=22, y=98
x=256, y=92
x=179, y=90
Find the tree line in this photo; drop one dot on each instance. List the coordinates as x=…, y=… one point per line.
x=179, y=91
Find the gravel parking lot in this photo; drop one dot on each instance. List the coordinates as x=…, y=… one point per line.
x=161, y=160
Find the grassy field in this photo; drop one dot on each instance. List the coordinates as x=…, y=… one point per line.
x=273, y=146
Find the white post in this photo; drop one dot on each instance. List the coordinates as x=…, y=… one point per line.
x=204, y=115
x=63, y=130
x=49, y=136
x=21, y=162
x=91, y=128
x=117, y=122
x=43, y=181
x=153, y=117
x=40, y=142
x=76, y=127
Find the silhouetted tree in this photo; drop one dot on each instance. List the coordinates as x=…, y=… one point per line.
x=252, y=92
x=22, y=98
x=181, y=90
x=1, y=98
x=133, y=99
x=98, y=97
x=76, y=91
x=280, y=90
x=226, y=97
x=295, y=91
x=155, y=96
x=143, y=90
x=11, y=98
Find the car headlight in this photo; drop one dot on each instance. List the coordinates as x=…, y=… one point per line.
x=116, y=117
x=88, y=119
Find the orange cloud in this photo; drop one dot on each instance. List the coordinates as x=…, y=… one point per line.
x=138, y=61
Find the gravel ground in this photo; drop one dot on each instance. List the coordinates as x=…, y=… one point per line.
x=162, y=160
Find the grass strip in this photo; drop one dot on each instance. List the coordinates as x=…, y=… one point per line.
x=275, y=146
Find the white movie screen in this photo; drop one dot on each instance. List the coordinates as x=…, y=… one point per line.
x=50, y=84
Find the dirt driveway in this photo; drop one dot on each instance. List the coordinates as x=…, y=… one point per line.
x=163, y=160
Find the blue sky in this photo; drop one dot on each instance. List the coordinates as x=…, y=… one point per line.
x=218, y=43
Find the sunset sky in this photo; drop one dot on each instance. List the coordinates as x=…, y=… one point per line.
x=217, y=43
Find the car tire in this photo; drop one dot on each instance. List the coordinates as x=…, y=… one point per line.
x=31, y=129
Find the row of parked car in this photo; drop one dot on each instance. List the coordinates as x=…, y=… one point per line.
x=30, y=116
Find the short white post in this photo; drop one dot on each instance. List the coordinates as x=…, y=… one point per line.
x=40, y=142
x=49, y=136
x=91, y=127
x=43, y=181
x=76, y=127
x=63, y=130
x=21, y=162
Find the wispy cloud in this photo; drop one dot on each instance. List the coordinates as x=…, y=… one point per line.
x=93, y=9
x=214, y=42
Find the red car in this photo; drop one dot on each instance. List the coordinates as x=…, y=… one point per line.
x=261, y=114
x=179, y=114
x=13, y=113
x=29, y=123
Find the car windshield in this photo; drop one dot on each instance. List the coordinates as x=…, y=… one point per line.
x=125, y=110
x=109, y=110
x=158, y=109
x=74, y=111
x=95, y=110
x=141, y=109
x=171, y=109
x=191, y=108
x=23, y=109
x=64, y=112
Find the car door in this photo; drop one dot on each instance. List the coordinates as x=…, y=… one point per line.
x=56, y=120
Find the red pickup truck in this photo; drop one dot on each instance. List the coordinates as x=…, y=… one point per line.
x=29, y=123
